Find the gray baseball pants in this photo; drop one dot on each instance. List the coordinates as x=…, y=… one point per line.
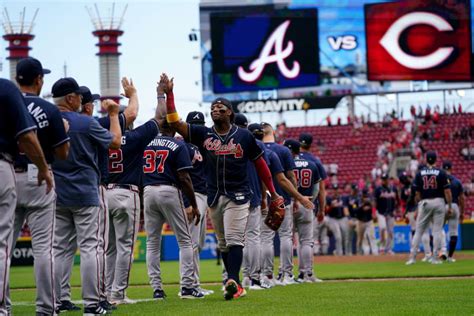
x=387, y=223
x=366, y=242
x=303, y=222
x=429, y=210
x=198, y=234
x=163, y=203
x=453, y=220
x=38, y=209
x=320, y=236
x=85, y=222
x=7, y=210
x=285, y=233
x=124, y=211
x=340, y=229
x=252, y=249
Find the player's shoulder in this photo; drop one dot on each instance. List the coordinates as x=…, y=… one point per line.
x=7, y=87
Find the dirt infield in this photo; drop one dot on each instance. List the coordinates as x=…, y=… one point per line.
x=380, y=258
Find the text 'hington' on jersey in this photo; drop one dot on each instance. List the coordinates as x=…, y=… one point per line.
x=164, y=143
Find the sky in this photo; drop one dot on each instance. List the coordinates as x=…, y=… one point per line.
x=155, y=40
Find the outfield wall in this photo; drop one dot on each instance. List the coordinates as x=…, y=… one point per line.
x=23, y=254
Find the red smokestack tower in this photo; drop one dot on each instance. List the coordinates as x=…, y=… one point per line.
x=18, y=35
x=108, y=31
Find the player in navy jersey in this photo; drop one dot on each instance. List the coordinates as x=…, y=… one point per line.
x=307, y=177
x=33, y=206
x=226, y=149
x=338, y=220
x=386, y=198
x=198, y=232
x=166, y=166
x=407, y=196
x=432, y=187
x=458, y=205
x=366, y=242
x=123, y=199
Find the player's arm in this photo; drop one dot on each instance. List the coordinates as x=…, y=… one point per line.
x=461, y=201
x=130, y=92
x=61, y=128
x=62, y=151
x=172, y=116
x=286, y=185
x=449, y=199
x=187, y=187
x=160, y=111
x=115, y=130
x=265, y=176
x=322, y=196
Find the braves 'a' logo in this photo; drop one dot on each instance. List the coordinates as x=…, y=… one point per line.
x=220, y=149
x=275, y=43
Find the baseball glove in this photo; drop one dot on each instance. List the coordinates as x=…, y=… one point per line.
x=276, y=213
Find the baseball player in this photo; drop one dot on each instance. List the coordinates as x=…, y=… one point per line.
x=432, y=187
x=407, y=195
x=366, y=242
x=307, y=176
x=17, y=131
x=320, y=235
x=227, y=150
x=77, y=180
x=285, y=232
x=351, y=202
x=338, y=220
x=386, y=197
x=458, y=204
x=126, y=118
x=33, y=206
x=165, y=169
x=198, y=232
x=123, y=199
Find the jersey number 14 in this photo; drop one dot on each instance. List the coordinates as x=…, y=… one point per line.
x=429, y=182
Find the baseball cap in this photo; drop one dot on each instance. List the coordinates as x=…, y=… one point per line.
x=30, y=68
x=335, y=186
x=257, y=130
x=384, y=176
x=431, y=157
x=227, y=103
x=292, y=144
x=354, y=186
x=195, y=117
x=67, y=85
x=306, y=139
x=240, y=120
x=87, y=95
x=447, y=165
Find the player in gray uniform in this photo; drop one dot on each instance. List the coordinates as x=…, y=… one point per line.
x=17, y=130
x=432, y=188
x=458, y=205
x=165, y=170
x=33, y=206
x=77, y=180
x=307, y=178
x=198, y=232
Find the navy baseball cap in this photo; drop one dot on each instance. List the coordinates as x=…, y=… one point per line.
x=292, y=144
x=384, y=176
x=447, y=165
x=88, y=96
x=306, y=139
x=65, y=86
x=431, y=157
x=195, y=117
x=227, y=103
x=257, y=130
x=30, y=68
x=240, y=120
x=354, y=186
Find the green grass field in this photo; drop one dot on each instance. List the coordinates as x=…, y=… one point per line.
x=338, y=295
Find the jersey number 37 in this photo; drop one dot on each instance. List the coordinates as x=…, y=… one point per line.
x=151, y=157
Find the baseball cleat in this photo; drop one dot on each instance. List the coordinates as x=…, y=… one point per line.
x=259, y=285
x=107, y=306
x=94, y=310
x=436, y=261
x=241, y=292
x=312, y=279
x=246, y=282
x=191, y=294
x=269, y=283
x=289, y=280
x=120, y=301
x=68, y=306
x=427, y=258
x=451, y=260
x=159, y=294
x=300, y=278
x=205, y=292
x=410, y=262
x=231, y=287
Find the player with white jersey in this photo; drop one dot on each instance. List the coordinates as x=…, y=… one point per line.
x=307, y=177
x=166, y=166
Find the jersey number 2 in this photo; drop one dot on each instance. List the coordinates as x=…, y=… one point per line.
x=115, y=161
x=429, y=182
x=150, y=160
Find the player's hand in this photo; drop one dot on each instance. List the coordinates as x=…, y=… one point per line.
x=306, y=202
x=450, y=212
x=47, y=176
x=160, y=85
x=129, y=89
x=168, y=83
x=66, y=125
x=320, y=216
x=194, y=215
x=264, y=204
x=111, y=106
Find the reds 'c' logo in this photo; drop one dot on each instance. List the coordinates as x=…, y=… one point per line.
x=391, y=40
x=220, y=149
x=274, y=42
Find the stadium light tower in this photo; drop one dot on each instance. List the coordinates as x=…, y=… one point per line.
x=18, y=34
x=108, y=31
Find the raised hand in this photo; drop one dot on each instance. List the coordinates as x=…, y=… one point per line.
x=128, y=88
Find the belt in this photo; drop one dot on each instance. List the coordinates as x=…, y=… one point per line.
x=130, y=187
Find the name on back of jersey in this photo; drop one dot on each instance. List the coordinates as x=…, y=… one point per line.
x=39, y=115
x=164, y=143
x=301, y=163
x=427, y=172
